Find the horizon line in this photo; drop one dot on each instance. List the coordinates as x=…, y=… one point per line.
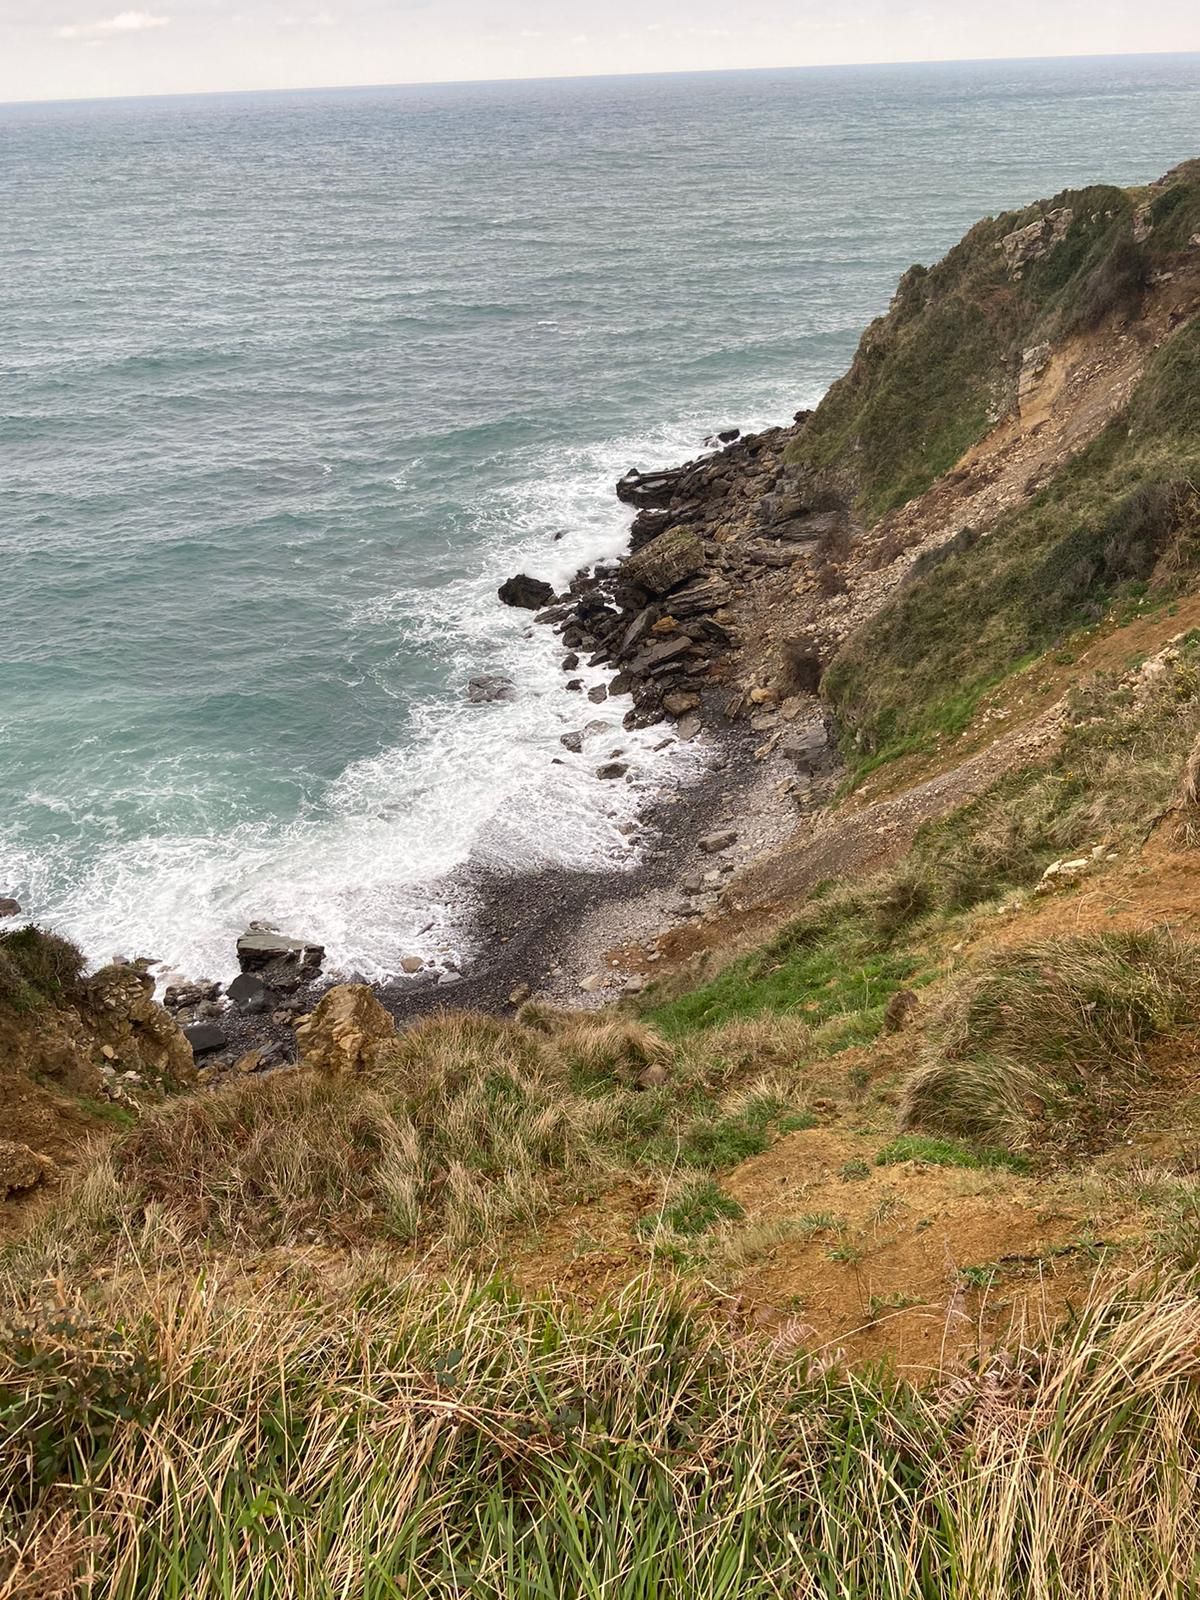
x=600, y=77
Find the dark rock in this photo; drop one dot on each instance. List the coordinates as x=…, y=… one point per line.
x=621, y=684
x=688, y=727
x=570, y=663
x=282, y=963
x=598, y=695
x=484, y=689
x=637, y=630
x=612, y=769
x=650, y=490
x=531, y=594
x=648, y=525
x=575, y=685
x=250, y=994
x=204, y=1038
x=660, y=655
x=729, y=435
x=572, y=742
x=554, y=614
x=183, y=996
x=9, y=907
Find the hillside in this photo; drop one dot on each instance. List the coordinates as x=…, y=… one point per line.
x=853, y=1250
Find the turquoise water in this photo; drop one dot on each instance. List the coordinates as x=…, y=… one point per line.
x=290, y=383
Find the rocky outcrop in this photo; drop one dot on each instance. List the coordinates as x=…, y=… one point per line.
x=21, y=1168
x=9, y=907
x=284, y=964
x=346, y=1032
x=526, y=593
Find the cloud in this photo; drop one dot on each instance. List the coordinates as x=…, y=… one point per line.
x=123, y=22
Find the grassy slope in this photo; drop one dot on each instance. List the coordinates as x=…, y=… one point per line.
x=1124, y=513
x=931, y=375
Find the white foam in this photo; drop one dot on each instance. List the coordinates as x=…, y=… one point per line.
x=489, y=783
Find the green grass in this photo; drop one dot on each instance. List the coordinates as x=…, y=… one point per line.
x=36, y=969
x=946, y=1153
x=819, y=969
x=1045, y=1047
x=694, y=1209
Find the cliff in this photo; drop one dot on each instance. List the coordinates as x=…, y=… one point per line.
x=854, y=1251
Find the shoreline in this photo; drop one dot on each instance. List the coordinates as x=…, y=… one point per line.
x=664, y=622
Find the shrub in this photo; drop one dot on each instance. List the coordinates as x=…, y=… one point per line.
x=37, y=967
x=1044, y=1047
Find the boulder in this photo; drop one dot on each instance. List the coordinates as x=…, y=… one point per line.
x=21, y=1168
x=205, y=1038
x=411, y=964
x=670, y=559
x=250, y=994
x=650, y=490
x=723, y=839
x=572, y=742
x=612, y=769
x=529, y=594
x=282, y=963
x=346, y=1033
x=678, y=704
x=486, y=688
x=142, y=1035
x=9, y=907
x=598, y=695
x=184, y=996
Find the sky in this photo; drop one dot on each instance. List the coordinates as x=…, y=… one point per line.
x=67, y=49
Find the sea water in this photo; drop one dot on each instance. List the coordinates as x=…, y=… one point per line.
x=289, y=383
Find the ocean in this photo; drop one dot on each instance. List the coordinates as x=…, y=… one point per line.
x=289, y=383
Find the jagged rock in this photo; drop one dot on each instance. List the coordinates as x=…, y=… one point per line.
x=572, y=742
x=648, y=525
x=806, y=747
x=346, y=1033
x=636, y=631
x=650, y=490
x=183, y=996
x=1033, y=364
x=143, y=1035
x=528, y=594
x=666, y=561
x=204, y=1038
x=598, y=695
x=1030, y=243
x=688, y=728
x=592, y=984
x=484, y=689
x=570, y=663
x=659, y=655
x=698, y=598
x=575, y=685
x=612, y=769
x=282, y=963
x=250, y=994
x=722, y=839
x=9, y=907
x=21, y=1168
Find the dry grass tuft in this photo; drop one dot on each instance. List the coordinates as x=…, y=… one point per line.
x=1043, y=1047
x=238, y=1440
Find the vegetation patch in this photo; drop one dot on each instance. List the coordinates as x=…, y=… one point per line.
x=37, y=969
x=693, y=1210
x=377, y=1439
x=1043, y=1048
x=1125, y=512
x=946, y=1153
